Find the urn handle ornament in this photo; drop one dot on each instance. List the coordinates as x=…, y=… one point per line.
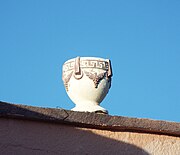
x=87, y=81
x=77, y=70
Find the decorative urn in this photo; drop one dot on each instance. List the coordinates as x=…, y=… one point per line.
x=87, y=81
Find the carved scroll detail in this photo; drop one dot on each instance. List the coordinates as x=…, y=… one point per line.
x=66, y=80
x=96, y=78
x=109, y=74
x=78, y=74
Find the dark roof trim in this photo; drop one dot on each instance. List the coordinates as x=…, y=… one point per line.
x=89, y=120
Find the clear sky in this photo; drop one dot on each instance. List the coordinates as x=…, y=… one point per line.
x=142, y=39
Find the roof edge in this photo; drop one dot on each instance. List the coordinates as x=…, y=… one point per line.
x=89, y=120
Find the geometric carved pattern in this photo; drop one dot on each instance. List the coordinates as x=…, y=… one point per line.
x=87, y=64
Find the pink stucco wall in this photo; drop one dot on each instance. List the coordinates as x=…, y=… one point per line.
x=29, y=137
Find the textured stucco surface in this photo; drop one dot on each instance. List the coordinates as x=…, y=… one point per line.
x=31, y=137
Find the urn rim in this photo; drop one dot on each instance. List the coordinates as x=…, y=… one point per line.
x=87, y=58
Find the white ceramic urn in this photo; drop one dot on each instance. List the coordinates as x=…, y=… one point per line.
x=87, y=81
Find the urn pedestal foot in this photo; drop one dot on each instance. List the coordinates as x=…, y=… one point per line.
x=90, y=108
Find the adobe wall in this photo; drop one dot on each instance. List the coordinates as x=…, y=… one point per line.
x=33, y=137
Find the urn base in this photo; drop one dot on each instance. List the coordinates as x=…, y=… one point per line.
x=90, y=108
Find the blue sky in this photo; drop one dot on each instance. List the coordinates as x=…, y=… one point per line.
x=142, y=39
